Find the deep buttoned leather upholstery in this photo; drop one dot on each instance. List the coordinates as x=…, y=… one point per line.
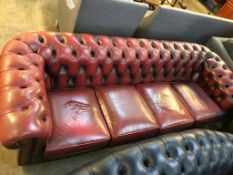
x=191, y=152
x=33, y=64
x=85, y=60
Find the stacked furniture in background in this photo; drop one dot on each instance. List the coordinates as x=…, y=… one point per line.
x=195, y=152
x=129, y=18
x=213, y=5
x=68, y=93
x=175, y=24
x=109, y=17
x=154, y=3
x=227, y=10
x=223, y=47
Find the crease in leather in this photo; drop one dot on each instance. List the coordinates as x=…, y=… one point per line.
x=35, y=97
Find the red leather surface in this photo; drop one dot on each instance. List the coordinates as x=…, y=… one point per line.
x=202, y=107
x=217, y=80
x=74, y=60
x=127, y=116
x=24, y=109
x=168, y=110
x=86, y=60
x=32, y=63
x=78, y=124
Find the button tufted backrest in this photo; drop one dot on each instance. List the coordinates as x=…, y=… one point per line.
x=86, y=60
x=75, y=60
x=192, y=152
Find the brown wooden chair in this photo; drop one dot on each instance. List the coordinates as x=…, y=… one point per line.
x=227, y=10
x=154, y=3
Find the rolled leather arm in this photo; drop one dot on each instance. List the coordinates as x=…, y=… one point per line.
x=24, y=109
x=217, y=79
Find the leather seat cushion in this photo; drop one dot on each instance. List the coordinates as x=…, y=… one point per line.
x=169, y=111
x=78, y=123
x=126, y=113
x=202, y=107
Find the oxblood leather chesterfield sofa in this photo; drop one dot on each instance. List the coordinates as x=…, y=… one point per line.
x=66, y=93
x=192, y=152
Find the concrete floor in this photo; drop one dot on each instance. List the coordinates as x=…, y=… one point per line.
x=17, y=16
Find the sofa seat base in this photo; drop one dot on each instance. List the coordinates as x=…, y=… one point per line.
x=202, y=107
x=86, y=119
x=168, y=110
x=78, y=124
x=126, y=113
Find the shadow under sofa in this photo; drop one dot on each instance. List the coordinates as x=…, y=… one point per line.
x=69, y=93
